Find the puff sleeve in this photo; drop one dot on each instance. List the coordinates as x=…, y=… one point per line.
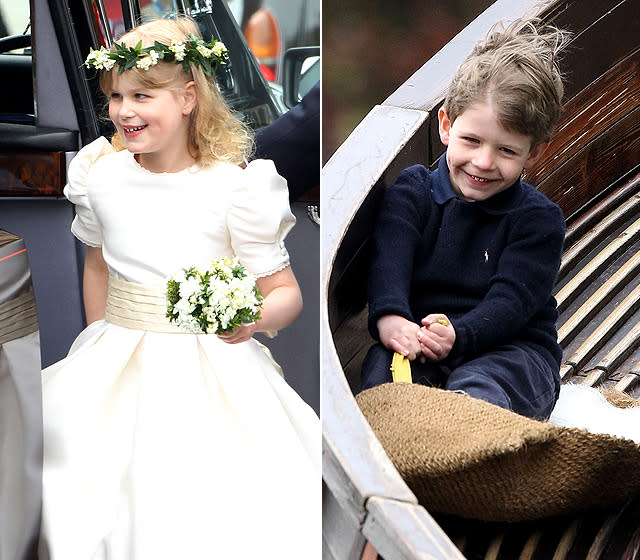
x=259, y=218
x=85, y=225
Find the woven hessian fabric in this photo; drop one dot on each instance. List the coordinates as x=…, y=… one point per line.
x=466, y=457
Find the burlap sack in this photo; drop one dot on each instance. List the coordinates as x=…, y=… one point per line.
x=463, y=456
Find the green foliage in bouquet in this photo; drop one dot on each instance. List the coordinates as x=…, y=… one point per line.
x=216, y=300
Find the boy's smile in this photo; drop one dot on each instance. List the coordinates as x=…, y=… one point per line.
x=483, y=157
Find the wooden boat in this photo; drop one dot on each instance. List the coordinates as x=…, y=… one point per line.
x=592, y=171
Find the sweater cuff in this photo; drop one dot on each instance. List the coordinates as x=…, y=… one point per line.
x=464, y=344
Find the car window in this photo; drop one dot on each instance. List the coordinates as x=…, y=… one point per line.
x=149, y=9
x=237, y=9
x=14, y=18
x=16, y=102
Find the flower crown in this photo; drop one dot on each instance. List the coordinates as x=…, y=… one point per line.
x=192, y=50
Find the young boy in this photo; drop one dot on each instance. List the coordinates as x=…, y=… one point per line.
x=465, y=257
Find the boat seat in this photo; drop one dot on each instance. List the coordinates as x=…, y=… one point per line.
x=598, y=294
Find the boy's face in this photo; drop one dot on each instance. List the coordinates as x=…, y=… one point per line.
x=483, y=157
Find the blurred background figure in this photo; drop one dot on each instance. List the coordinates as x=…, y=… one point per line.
x=273, y=26
x=20, y=404
x=370, y=47
x=293, y=143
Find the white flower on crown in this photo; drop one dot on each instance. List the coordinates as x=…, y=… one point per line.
x=150, y=60
x=177, y=48
x=204, y=51
x=99, y=59
x=219, y=49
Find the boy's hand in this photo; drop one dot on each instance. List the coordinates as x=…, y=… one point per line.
x=239, y=334
x=400, y=335
x=436, y=337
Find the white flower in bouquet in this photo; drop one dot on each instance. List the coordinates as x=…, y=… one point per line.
x=216, y=300
x=190, y=289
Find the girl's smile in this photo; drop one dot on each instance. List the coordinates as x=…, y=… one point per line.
x=131, y=132
x=483, y=157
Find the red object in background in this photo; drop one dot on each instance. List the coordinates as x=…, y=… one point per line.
x=263, y=37
x=268, y=73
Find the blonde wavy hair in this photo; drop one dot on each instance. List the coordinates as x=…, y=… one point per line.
x=215, y=134
x=516, y=70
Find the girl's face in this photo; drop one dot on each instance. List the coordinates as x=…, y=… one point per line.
x=153, y=122
x=483, y=157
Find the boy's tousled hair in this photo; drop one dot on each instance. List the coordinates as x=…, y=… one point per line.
x=515, y=69
x=214, y=132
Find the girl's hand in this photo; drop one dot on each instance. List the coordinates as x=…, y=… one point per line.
x=400, y=335
x=436, y=337
x=239, y=334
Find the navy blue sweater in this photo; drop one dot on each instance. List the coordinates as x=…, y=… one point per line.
x=490, y=266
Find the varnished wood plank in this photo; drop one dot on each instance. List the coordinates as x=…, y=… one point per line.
x=586, y=220
x=596, y=167
x=594, y=304
x=622, y=350
x=578, y=250
x=531, y=545
x=632, y=552
x=602, y=538
x=594, y=377
x=567, y=371
x=606, y=329
x=628, y=382
x=610, y=37
x=493, y=550
x=577, y=15
x=567, y=540
x=571, y=289
x=590, y=114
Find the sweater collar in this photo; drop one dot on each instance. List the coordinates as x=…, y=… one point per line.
x=500, y=203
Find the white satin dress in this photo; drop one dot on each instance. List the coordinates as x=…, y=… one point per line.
x=171, y=446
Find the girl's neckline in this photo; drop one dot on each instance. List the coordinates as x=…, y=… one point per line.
x=191, y=169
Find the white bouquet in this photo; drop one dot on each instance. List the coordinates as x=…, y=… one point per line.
x=213, y=300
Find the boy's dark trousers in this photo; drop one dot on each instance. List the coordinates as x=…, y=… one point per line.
x=512, y=376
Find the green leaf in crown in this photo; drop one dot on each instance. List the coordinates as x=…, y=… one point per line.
x=193, y=50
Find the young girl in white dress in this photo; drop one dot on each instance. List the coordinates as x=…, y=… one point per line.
x=161, y=444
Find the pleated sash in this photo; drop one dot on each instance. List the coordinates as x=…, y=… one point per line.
x=139, y=306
